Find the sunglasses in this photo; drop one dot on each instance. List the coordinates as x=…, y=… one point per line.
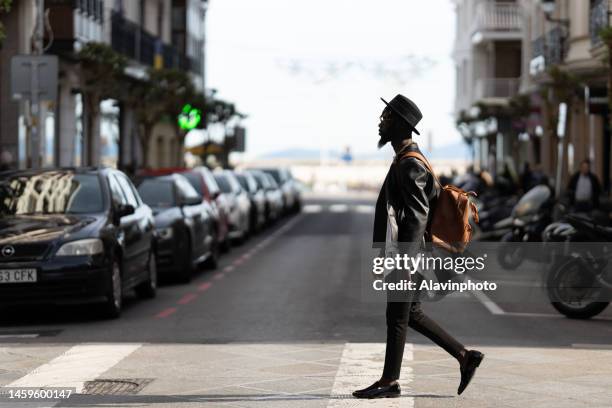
x=386, y=115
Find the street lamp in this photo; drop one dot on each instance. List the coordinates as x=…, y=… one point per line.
x=548, y=8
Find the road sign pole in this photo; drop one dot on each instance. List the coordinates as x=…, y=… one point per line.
x=36, y=130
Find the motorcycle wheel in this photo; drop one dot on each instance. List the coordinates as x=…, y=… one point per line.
x=511, y=254
x=568, y=285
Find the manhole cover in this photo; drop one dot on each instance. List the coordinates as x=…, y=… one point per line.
x=116, y=386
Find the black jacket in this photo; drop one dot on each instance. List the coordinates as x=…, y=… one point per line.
x=412, y=192
x=596, y=188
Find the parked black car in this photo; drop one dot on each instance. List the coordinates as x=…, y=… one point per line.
x=184, y=223
x=74, y=236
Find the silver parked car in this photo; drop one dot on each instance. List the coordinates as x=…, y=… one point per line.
x=239, y=204
x=292, y=200
x=274, y=197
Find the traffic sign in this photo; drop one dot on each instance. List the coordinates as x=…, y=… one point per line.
x=34, y=77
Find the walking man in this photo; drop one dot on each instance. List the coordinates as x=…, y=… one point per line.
x=403, y=210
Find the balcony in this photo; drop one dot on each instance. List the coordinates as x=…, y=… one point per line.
x=497, y=21
x=73, y=23
x=131, y=40
x=496, y=89
x=547, y=50
x=598, y=19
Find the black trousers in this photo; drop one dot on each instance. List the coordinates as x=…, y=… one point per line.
x=408, y=313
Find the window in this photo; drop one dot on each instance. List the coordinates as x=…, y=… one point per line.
x=224, y=185
x=185, y=189
x=117, y=196
x=157, y=193
x=127, y=190
x=50, y=192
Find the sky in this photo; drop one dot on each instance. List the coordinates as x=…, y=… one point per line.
x=310, y=74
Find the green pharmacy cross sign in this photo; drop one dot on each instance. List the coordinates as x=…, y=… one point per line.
x=189, y=118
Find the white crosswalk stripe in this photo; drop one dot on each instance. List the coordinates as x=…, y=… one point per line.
x=338, y=208
x=312, y=208
x=360, y=366
x=77, y=365
x=364, y=209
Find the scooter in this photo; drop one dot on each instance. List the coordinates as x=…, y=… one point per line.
x=579, y=281
x=530, y=216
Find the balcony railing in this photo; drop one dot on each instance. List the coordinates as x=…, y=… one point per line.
x=551, y=46
x=598, y=19
x=492, y=16
x=487, y=88
x=131, y=40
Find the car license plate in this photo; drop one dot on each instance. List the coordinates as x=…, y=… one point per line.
x=17, y=275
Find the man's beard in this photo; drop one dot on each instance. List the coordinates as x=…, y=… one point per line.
x=382, y=141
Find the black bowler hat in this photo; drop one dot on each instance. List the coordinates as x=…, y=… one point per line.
x=406, y=109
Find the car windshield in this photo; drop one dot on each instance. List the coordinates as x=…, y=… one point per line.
x=276, y=174
x=223, y=183
x=211, y=183
x=157, y=193
x=243, y=181
x=234, y=184
x=50, y=192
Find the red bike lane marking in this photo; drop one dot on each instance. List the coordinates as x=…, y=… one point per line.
x=165, y=313
x=187, y=298
x=204, y=286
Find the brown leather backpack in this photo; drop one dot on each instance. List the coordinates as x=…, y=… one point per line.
x=450, y=223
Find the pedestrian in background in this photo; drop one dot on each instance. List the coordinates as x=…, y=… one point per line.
x=584, y=189
x=404, y=208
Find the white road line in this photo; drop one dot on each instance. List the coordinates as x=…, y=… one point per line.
x=488, y=303
x=592, y=346
x=338, y=208
x=364, y=209
x=21, y=336
x=526, y=314
x=77, y=365
x=312, y=208
x=360, y=365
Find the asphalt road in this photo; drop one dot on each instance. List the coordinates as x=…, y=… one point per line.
x=294, y=291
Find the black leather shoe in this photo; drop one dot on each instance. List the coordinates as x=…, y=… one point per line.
x=377, y=391
x=468, y=368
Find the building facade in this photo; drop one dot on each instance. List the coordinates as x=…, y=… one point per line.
x=150, y=33
x=488, y=54
x=552, y=55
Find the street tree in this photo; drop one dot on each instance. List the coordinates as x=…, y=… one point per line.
x=101, y=71
x=5, y=7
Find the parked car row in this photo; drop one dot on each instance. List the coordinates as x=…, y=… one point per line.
x=89, y=235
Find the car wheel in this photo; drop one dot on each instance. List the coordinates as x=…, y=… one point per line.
x=185, y=272
x=148, y=288
x=114, y=298
x=225, y=245
x=213, y=259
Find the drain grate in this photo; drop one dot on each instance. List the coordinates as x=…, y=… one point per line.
x=116, y=386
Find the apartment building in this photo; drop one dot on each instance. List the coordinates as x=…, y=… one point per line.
x=488, y=55
x=543, y=53
x=564, y=34
x=150, y=33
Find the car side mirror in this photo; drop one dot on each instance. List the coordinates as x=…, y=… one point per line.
x=193, y=200
x=123, y=210
x=216, y=194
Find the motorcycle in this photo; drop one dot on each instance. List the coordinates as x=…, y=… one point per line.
x=579, y=281
x=530, y=216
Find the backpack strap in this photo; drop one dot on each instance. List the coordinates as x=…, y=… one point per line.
x=422, y=159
